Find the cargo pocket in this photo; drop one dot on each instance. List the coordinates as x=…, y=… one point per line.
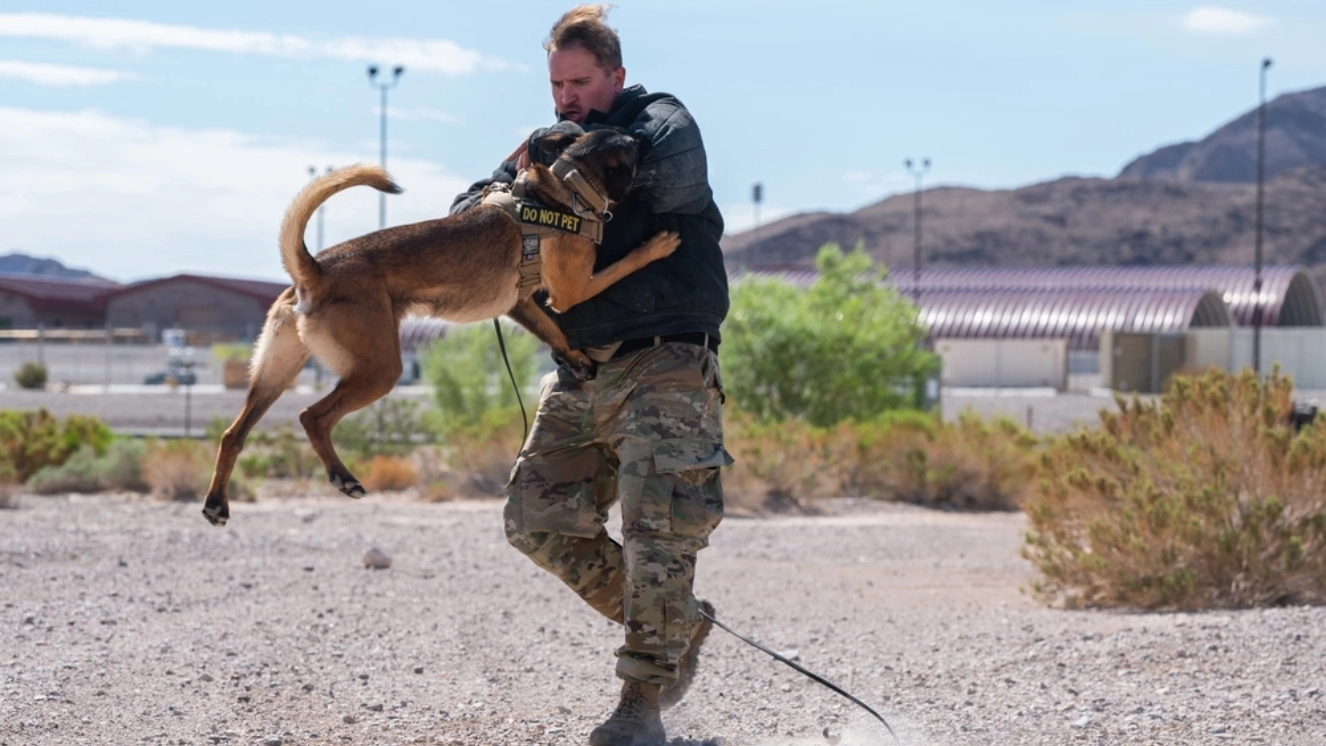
x=692, y=468
x=555, y=496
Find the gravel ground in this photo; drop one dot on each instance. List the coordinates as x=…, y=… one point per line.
x=129, y=621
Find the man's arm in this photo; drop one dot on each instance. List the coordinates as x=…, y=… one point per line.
x=505, y=173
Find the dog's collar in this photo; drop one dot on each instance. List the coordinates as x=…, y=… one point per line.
x=581, y=188
x=534, y=214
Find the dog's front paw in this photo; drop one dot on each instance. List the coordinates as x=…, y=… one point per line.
x=662, y=244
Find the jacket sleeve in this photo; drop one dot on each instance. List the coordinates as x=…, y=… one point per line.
x=674, y=174
x=505, y=173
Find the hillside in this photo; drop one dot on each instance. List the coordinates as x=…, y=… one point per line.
x=1295, y=138
x=31, y=265
x=1181, y=204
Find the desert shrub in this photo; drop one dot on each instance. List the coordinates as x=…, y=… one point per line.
x=33, y=440
x=477, y=417
x=388, y=426
x=970, y=464
x=119, y=468
x=31, y=375
x=177, y=469
x=469, y=378
x=438, y=481
x=278, y=454
x=482, y=453
x=779, y=462
x=1206, y=498
x=390, y=473
x=848, y=347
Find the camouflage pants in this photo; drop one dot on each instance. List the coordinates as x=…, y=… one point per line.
x=648, y=430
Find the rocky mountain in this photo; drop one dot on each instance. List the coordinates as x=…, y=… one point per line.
x=1295, y=138
x=31, y=265
x=1185, y=203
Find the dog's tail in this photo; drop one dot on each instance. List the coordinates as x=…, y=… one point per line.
x=298, y=262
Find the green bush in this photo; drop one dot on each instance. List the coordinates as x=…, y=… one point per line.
x=119, y=468
x=469, y=378
x=1206, y=498
x=278, y=454
x=387, y=427
x=33, y=440
x=848, y=347
x=31, y=375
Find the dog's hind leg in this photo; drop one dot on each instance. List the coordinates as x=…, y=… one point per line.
x=277, y=360
x=369, y=366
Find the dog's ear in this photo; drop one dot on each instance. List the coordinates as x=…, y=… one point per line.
x=555, y=142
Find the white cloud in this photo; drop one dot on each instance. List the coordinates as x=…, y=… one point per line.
x=1209, y=19
x=429, y=55
x=59, y=75
x=131, y=200
x=427, y=115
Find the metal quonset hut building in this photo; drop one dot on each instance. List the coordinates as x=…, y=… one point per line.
x=1077, y=303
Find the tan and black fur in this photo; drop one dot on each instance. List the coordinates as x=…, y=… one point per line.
x=347, y=302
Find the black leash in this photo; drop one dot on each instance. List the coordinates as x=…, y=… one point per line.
x=501, y=344
x=813, y=676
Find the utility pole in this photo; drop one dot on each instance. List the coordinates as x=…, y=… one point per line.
x=383, y=87
x=756, y=196
x=918, y=172
x=313, y=174
x=1261, y=177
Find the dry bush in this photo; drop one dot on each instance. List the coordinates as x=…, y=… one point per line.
x=483, y=454
x=390, y=473
x=8, y=495
x=970, y=464
x=973, y=464
x=177, y=469
x=778, y=464
x=1206, y=498
x=437, y=480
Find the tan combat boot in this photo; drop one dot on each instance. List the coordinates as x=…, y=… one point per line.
x=636, y=720
x=688, y=663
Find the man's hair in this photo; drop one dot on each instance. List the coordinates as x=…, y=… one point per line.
x=585, y=26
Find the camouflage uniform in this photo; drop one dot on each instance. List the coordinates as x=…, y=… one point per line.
x=647, y=430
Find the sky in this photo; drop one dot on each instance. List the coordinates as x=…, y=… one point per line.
x=144, y=139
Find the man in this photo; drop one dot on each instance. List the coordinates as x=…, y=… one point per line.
x=647, y=429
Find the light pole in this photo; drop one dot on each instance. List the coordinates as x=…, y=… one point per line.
x=313, y=174
x=383, y=87
x=918, y=172
x=1257, y=240
x=756, y=196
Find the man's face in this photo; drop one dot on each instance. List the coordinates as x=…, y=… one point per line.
x=579, y=84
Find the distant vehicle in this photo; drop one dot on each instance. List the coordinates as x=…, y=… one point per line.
x=179, y=376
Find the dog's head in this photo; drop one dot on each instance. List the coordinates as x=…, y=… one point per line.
x=606, y=158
